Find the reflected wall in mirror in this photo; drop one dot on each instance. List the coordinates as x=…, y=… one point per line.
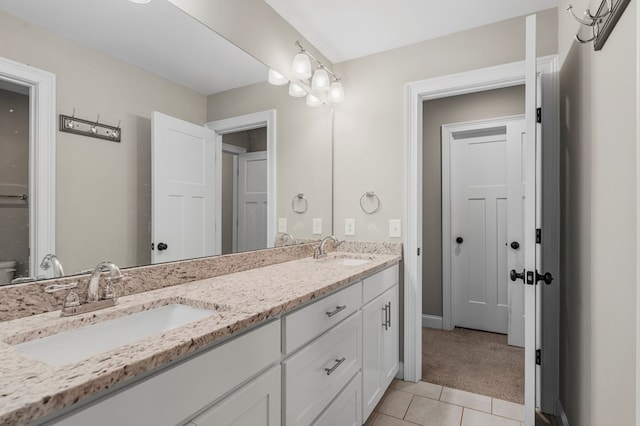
x=123, y=61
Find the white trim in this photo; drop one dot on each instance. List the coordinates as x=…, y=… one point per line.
x=415, y=94
x=248, y=122
x=446, y=140
x=42, y=157
x=432, y=321
x=399, y=374
x=560, y=414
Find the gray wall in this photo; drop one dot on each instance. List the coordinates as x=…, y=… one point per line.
x=14, y=179
x=438, y=112
x=598, y=132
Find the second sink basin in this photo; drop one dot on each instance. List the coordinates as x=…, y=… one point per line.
x=78, y=344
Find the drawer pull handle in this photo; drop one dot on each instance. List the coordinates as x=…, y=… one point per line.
x=336, y=310
x=336, y=365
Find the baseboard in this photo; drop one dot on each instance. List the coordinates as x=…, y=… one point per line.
x=432, y=321
x=561, y=415
x=400, y=373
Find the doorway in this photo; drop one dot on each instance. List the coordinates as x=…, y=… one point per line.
x=465, y=197
x=244, y=190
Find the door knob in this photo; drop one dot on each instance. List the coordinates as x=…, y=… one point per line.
x=459, y=240
x=516, y=275
x=547, y=277
x=162, y=246
x=515, y=245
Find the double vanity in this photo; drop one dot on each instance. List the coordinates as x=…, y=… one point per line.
x=296, y=342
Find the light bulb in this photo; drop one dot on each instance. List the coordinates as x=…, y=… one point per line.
x=296, y=91
x=313, y=101
x=276, y=78
x=320, y=80
x=301, y=67
x=336, y=93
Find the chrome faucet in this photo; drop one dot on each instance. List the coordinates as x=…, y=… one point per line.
x=284, y=236
x=320, y=251
x=51, y=260
x=93, y=288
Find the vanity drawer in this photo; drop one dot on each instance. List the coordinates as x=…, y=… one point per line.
x=306, y=324
x=378, y=283
x=316, y=374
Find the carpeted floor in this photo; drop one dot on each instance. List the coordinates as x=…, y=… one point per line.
x=474, y=361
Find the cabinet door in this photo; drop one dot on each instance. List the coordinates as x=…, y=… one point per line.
x=255, y=404
x=380, y=347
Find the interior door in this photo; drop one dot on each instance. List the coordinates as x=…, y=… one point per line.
x=252, y=201
x=183, y=215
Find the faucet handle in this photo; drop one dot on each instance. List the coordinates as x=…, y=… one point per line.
x=59, y=287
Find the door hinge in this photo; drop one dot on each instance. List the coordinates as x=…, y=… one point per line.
x=538, y=115
x=538, y=236
x=418, y=251
x=538, y=357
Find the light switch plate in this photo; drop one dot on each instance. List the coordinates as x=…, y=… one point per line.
x=395, y=229
x=350, y=227
x=317, y=226
x=282, y=224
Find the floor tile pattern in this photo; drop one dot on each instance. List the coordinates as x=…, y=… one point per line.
x=407, y=404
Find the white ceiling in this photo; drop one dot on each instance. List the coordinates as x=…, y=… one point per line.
x=344, y=30
x=157, y=37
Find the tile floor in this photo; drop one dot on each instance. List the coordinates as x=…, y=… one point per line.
x=407, y=404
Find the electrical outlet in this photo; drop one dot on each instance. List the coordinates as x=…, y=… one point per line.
x=282, y=224
x=395, y=230
x=350, y=227
x=317, y=226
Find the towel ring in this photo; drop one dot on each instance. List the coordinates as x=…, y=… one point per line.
x=367, y=196
x=299, y=203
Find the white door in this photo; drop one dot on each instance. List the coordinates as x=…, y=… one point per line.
x=183, y=189
x=252, y=201
x=486, y=192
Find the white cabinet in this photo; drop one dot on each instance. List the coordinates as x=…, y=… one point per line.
x=175, y=394
x=255, y=404
x=380, y=346
x=315, y=375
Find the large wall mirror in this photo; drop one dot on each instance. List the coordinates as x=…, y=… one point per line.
x=118, y=62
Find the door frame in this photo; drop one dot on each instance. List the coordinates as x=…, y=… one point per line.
x=247, y=122
x=416, y=93
x=448, y=130
x=42, y=158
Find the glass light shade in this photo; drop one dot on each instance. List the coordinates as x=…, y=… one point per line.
x=296, y=91
x=276, y=78
x=301, y=67
x=320, y=80
x=336, y=93
x=312, y=101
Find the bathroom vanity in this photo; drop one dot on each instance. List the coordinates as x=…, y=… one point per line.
x=308, y=341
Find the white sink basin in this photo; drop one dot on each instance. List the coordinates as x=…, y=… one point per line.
x=78, y=344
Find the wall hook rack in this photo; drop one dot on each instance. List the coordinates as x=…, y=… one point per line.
x=92, y=129
x=600, y=23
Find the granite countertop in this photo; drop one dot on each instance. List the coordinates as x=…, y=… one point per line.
x=30, y=389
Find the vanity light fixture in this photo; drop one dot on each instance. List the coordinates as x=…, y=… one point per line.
x=324, y=87
x=276, y=78
x=296, y=90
